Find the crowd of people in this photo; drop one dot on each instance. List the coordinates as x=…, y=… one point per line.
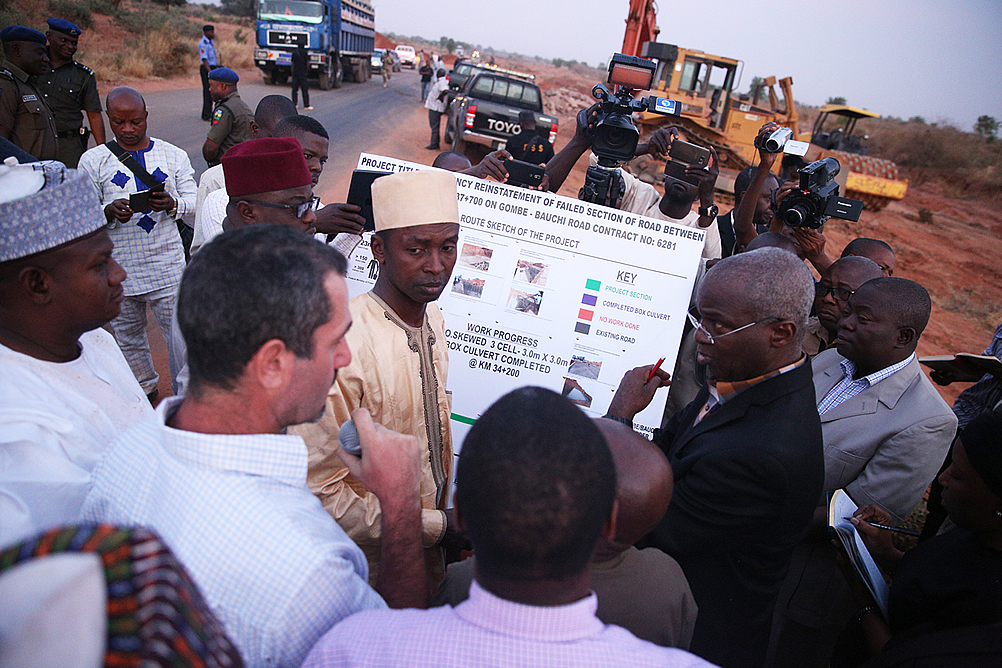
x=228, y=524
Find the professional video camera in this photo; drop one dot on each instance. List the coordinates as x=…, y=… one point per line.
x=817, y=199
x=615, y=135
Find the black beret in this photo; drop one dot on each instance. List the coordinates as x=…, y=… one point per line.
x=21, y=34
x=64, y=26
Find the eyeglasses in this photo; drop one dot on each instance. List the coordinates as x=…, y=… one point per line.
x=697, y=323
x=840, y=294
x=299, y=209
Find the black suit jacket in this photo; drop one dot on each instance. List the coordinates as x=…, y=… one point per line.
x=747, y=480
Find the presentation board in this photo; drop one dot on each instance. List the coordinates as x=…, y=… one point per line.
x=554, y=292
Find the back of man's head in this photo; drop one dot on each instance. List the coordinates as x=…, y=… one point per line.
x=247, y=287
x=452, y=161
x=873, y=249
x=771, y=239
x=644, y=482
x=535, y=486
x=297, y=126
x=768, y=282
x=527, y=119
x=271, y=110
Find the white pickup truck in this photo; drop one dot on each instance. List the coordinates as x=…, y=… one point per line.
x=407, y=56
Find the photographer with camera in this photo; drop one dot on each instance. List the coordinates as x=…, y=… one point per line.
x=642, y=198
x=810, y=240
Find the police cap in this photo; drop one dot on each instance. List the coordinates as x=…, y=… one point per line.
x=21, y=34
x=224, y=74
x=64, y=26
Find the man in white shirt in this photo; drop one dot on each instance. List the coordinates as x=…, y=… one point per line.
x=146, y=240
x=66, y=391
x=535, y=490
x=217, y=477
x=435, y=104
x=643, y=198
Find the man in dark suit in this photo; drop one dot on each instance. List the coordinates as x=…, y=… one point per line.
x=746, y=453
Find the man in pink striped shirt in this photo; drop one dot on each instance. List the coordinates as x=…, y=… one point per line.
x=536, y=489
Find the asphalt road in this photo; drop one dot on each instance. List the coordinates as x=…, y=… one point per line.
x=357, y=116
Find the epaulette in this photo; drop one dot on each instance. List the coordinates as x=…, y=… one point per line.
x=85, y=68
x=4, y=72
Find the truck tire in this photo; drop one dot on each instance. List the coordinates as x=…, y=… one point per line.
x=366, y=71
x=281, y=78
x=448, y=130
x=268, y=76
x=330, y=76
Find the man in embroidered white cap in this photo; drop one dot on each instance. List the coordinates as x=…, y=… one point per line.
x=399, y=363
x=66, y=390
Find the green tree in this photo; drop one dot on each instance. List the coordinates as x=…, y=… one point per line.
x=836, y=100
x=987, y=127
x=917, y=119
x=755, y=83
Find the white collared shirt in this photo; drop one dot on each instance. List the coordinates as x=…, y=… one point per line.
x=273, y=565
x=486, y=630
x=847, y=388
x=57, y=420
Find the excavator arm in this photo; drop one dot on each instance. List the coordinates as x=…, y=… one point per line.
x=641, y=26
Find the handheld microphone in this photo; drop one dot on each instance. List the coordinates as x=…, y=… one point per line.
x=347, y=435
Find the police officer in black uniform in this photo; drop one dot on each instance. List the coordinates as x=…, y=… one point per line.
x=24, y=117
x=69, y=89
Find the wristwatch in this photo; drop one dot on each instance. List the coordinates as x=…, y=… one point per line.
x=710, y=211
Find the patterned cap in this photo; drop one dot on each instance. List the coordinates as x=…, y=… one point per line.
x=64, y=26
x=409, y=199
x=224, y=74
x=66, y=208
x=21, y=34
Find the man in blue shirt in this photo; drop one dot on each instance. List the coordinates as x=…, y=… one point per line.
x=207, y=55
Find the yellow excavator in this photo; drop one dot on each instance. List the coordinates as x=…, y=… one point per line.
x=714, y=115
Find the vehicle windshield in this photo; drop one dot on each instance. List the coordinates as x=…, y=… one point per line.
x=507, y=91
x=279, y=10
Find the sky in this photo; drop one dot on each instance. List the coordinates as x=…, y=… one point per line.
x=935, y=59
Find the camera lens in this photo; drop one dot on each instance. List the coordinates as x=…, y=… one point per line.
x=795, y=216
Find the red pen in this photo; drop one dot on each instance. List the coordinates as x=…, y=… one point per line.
x=654, y=370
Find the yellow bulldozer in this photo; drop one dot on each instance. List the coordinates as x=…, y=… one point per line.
x=713, y=114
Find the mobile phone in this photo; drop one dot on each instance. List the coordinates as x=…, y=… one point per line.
x=360, y=194
x=677, y=170
x=141, y=201
x=521, y=173
x=690, y=154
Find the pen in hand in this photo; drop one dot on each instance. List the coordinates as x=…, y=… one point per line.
x=907, y=532
x=654, y=370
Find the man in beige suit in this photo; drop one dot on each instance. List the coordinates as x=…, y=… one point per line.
x=886, y=433
x=399, y=366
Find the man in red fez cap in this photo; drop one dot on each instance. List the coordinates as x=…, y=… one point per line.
x=268, y=182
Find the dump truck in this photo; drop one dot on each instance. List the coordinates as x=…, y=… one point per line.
x=339, y=36
x=713, y=114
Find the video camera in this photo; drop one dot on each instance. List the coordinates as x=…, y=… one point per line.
x=615, y=136
x=817, y=198
x=782, y=141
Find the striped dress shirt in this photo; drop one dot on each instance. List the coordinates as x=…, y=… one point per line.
x=847, y=388
x=487, y=631
x=273, y=565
